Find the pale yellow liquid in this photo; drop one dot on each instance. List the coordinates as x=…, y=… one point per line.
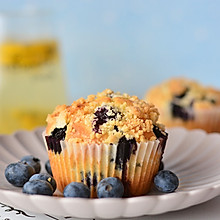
x=31, y=84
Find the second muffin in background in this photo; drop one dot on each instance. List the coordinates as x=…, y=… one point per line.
x=106, y=135
x=184, y=102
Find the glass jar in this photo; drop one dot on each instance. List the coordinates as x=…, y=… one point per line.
x=31, y=75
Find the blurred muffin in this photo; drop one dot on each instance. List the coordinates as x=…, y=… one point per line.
x=106, y=135
x=184, y=102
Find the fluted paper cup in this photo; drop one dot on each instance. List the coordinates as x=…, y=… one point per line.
x=71, y=162
x=209, y=119
x=206, y=119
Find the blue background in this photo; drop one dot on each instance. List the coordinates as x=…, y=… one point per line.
x=129, y=46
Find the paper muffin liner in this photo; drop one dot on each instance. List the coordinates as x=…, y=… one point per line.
x=209, y=119
x=71, y=162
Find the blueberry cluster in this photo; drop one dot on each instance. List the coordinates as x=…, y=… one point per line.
x=26, y=174
x=109, y=187
x=42, y=184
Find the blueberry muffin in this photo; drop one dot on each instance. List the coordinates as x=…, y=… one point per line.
x=184, y=102
x=106, y=135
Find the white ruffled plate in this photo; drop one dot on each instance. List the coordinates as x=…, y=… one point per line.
x=192, y=155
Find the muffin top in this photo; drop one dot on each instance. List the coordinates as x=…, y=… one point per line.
x=184, y=92
x=105, y=118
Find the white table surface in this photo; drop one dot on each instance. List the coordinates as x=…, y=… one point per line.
x=208, y=210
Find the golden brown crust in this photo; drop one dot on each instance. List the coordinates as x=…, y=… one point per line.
x=128, y=116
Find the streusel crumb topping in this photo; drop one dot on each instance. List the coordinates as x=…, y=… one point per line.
x=185, y=92
x=105, y=118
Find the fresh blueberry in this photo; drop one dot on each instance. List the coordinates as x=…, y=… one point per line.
x=48, y=167
x=40, y=187
x=32, y=161
x=19, y=173
x=46, y=177
x=110, y=187
x=166, y=181
x=76, y=189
